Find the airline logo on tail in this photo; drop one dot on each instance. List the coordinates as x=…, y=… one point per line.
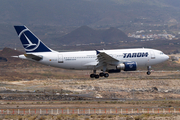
x=30, y=42
x=28, y=45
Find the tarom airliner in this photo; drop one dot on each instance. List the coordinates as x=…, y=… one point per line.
x=106, y=61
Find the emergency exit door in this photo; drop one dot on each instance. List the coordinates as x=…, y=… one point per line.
x=60, y=58
x=152, y=54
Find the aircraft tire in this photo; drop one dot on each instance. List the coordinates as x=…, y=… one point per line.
x=101, y=74
x=148, y=72
x=96, y=76
x=92, y=75
x=106, y=75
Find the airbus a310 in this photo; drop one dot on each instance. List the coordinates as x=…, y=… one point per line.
x=108, y=61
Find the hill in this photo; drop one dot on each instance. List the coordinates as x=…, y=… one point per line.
x=87, y=35
x=8, y=53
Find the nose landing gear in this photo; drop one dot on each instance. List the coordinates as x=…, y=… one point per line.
x=149, y=71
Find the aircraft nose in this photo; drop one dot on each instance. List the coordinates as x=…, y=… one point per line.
x=166, y=57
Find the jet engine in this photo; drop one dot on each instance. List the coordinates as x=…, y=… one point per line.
x=127, y=66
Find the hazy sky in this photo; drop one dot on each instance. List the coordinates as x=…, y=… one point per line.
x=85, y=12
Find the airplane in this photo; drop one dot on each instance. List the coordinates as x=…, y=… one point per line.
x=108, y=61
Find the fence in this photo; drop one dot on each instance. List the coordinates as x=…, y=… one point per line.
x=85, y=111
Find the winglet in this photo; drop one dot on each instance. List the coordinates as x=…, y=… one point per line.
x=97, y=52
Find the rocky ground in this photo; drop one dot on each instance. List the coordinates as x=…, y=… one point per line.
x=134, y=85
x=92, y=117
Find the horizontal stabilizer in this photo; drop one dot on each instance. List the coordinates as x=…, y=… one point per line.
x=15, y=56
x=34, y=57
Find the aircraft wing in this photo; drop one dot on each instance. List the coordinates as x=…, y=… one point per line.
x=34, y=57
x=91, y=64
x=105, y=59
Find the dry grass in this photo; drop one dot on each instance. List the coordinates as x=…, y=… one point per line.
x=91, y=117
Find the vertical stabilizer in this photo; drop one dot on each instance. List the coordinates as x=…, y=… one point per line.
x=30, y=42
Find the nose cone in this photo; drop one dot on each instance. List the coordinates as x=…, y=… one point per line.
x=165, y=57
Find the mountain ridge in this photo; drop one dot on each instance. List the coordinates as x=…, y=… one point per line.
x=87, y=35
x=87, y=12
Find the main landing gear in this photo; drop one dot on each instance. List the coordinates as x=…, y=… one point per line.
x=149, y=71
x=102, y=74
x=106, y=75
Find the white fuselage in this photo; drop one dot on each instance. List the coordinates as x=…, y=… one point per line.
x=86, y=60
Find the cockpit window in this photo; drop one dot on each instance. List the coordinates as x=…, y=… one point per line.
x=161, y=53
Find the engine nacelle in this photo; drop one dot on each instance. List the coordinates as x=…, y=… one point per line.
x=127, y=66
x=114, y=71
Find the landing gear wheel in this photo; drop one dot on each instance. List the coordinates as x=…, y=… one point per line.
x=106, y=75
x=96, y=76
x=148, y=72
x=92, y=75
x=101, y=74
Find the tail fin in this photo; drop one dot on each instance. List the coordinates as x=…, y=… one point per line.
x=30, y=42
